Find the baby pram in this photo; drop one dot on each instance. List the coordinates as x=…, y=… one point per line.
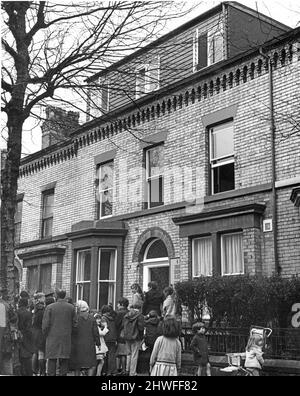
x=236, y=360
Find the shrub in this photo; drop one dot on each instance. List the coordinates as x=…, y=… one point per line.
x=240, y=301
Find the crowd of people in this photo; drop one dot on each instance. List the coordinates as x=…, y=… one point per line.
x=55, y=336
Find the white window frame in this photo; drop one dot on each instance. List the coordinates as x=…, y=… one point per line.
x=193, y=256
x=107, y=281
x=149, y=178
x=211, y=35
x=138, y=92
x=46, y=218
x=96, y=96
x=211, y=50
x=104, y=111
x=195, y=50
x=148, y=85
x=107, y=189
x=152, y=263
x=79, y=283
x=222, y=255
x=219, y=161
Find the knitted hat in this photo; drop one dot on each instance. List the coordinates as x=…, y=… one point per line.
x=83, y=306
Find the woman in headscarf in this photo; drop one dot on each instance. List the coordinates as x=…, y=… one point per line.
x=85, y=339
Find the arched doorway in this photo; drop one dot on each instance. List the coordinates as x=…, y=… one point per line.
x=156, y=264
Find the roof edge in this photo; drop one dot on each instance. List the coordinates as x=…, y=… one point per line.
x=170, y=88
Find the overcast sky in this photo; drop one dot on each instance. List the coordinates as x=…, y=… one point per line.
x=285, y=11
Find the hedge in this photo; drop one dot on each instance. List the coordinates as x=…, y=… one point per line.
x=240, y=301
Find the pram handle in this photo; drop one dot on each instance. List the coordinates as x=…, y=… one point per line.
x=270, y=332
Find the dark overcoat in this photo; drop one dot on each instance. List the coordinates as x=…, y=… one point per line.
x=86, y=337
x=58, y=321
x=25, y=327
x=199, y=347
x=153, y=302
x=37, y=320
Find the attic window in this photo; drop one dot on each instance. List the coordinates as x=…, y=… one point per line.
x=99, y=98
x=207, y=49
x=147, y=77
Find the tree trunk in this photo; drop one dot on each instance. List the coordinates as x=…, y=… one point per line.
x=9, y=182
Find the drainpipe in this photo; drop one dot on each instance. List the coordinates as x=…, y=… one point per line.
x=273, y=164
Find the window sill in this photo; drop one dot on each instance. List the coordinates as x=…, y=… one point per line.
x=150, y=211
x=237, y=193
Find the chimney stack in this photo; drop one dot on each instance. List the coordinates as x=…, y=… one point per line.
x=58, y=125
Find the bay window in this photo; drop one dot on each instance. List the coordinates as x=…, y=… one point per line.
x=83, y=275
x=107, y=277
x=39, y=278
x=202, y=256
x=232, y=257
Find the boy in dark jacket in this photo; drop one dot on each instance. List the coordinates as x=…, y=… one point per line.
x=122, y=351
x=133, y=334
x=152, y=329
x=199, y=346
x=109, y=315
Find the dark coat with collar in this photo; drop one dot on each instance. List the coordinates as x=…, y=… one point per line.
x=58, y=321
x=153, y=302
x=37, y=320
x=25, y=327
x=199, y=347
x=85, y=339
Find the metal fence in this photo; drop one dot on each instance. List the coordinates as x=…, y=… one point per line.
x=282, y=344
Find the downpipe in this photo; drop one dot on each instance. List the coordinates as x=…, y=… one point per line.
x=273, y=160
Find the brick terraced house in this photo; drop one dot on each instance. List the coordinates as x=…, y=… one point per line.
x=189, y=165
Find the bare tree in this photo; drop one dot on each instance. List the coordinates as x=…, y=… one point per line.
x=48, y=46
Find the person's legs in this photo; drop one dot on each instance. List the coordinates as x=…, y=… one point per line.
x=77, y=373
x=118, y=363
x=111, y=358
x=208, y=370
x=51, y=367
x=41, y=363
x=255, y=372
x=34, y=360
x=123, y=359
x=91, y=371
x=26, y=367
x=128, y=362
x=99, y=367
x=134, y=357
x=63, y=367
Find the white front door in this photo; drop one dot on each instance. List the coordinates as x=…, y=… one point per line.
x=156, y=271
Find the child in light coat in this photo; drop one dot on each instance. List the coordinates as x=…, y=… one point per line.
x=102, y=349
x=165, y=359
x=254, y=359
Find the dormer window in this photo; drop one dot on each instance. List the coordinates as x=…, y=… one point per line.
x=147, y=77
x=207, y=48
x=99, y=98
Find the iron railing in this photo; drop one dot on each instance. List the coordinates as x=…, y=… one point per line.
x=282, y=344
